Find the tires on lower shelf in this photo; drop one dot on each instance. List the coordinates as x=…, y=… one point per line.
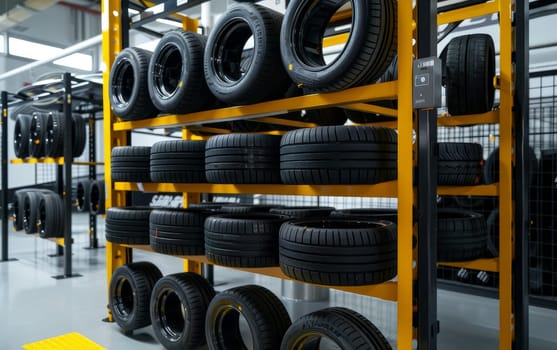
x=367, y=214
x=30, y=208
x=243, y=159
x=491, y=168
x=469, y=71
x=50, y=216
x=302, y=212
x=21, y=135
x=459, y=164
x=82, y=200
x=462, y=235
x=128, y=91
x=96, y=197
x=363, y=59
x=266, y=318
x=178, y=309
x=177, y=231
x=242, y=240
x=178, y=161
x=175, y=76
x=130, y=294
x=493, y=233
x=131, y=164
x=343, y=327
x=129, y=225
x=37, y=135
x=245, y=208
x=338, y=252
x=18, y=207
x=237, y=74
x=330, y=155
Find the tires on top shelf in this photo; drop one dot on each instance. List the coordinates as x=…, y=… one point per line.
x=21, y=135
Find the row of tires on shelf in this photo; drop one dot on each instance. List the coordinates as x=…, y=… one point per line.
x=324, y=155
x=310, y=244
x=187, y=313
x=187, y=71
x=42, y=135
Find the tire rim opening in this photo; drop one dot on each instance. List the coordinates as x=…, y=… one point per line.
x=322, y=40
x=233, y=329
x=95, y=198
x=80, y=196
x=49, y=140
x=232, y=55
x=124, y=299
x=316, y=341
x=123, y=82
x=18, y=139
x=42, y=219
x=16, y=211
x=171, y=314
x=168, y=70
x=26, y=215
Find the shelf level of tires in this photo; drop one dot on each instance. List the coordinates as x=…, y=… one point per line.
x=355, y=98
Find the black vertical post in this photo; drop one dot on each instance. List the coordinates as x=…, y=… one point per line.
x=60, y=191
x=68, y=136
x=93, y=239
x=522, y=106
x=125, y=24
x=428, y=325
x=4, y=191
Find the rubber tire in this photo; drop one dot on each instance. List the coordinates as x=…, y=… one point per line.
x=96, y=197
x=82, y=194
x=17, y=209
x=367, y=54
x=21, y=136
x=246, y=208
x=302, y=212
x=338, y=252
x=178, y=161
x=129, y=73
x=493, y=233
x=37, y=135
x=175, y=76
x=242, y=240
x=347, y=328
x=178, y=309
x=266, y=316
x=459, y=164
x=79, y=136
x=129, y=225
x=462, y=235
x=243, y=159
x=491, y=167
x=331, y=155
x=54, y=141
x=131, y=164
x=367, y=214
x=130, y=293
x=50, y=216
x=177, y=231
x=469, y=70
x=265, y=78
x=30, y=208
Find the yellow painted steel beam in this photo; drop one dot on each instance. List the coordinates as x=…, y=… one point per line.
x=491, y=117
x=47, y=160
x=376, y=92
x=373, y=109
x=286, y=122
x=189, y=23
x=469, y=12
x=481, y=190
x=405, y=189
x=88, y=163
x=385, y=189
x=337, y=39
x=491, y=265
x=390, y=125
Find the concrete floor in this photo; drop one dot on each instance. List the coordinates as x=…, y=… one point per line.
x=35, y=306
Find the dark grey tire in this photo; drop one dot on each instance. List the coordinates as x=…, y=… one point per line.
x=242, y=159
x=366, y=55
x=30, y=209
x=50, y=216
x=459, y=164
x=330, y=155
x=338, y=252
x=96, y=197
x=265, y=315
x=236, y=76
x=21, y=135
x=493, y=233
x=462, y=235
x=178, y=161
x=491, y=167
x=367, y=214
x=178, y=309
x=346, y=328
x=79, y=138
x=130, y=293
x=131, y=164
x=246, y=208
x=54, y=141
x=128, y=92
x=82, y=200
x=128, y=225
x=469, y=72
x=243, y=240
x=37, y=135
x=177, y=231
x=302, y=212
x=17, y=210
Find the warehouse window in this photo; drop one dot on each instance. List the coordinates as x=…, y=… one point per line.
x=2, y=42
x=37, y=51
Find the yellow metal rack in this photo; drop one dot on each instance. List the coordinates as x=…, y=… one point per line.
x=360, y=98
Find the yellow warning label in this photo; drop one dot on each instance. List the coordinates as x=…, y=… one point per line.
x=70, y=341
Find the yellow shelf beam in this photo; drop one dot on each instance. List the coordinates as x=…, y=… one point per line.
x=48, y=160
x=491, y=265
x=386, y=291
x=468, y=12
x=491, y=117
x=385, y=189
x=481, y=190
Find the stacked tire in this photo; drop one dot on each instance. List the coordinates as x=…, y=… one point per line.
x=38, y=211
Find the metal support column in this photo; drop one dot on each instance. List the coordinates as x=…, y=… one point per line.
x=60, y=191
x=4, y=191
x=428, y=325
x=522, y=173
x=93, y=239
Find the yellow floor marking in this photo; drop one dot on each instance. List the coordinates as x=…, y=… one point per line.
x=70, y=341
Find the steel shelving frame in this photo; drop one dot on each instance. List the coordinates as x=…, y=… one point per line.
x=416, y=311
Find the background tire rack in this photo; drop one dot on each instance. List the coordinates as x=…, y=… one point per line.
x=411, y=320
x=63, y=168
